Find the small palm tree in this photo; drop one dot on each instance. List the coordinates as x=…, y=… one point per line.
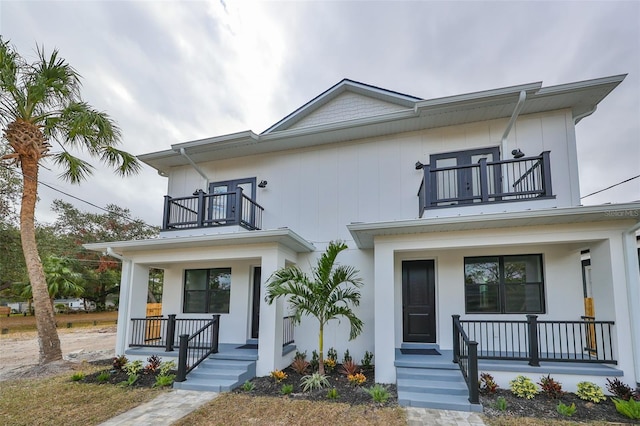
x=40, y=104
x=328, y=294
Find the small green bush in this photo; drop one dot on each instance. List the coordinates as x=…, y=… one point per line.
x=347, y=357
x=130, y=380
x=286, y=389
x=332, y=354
x=501, y=403
x=76, y=377
x=166, y=367
x=333, y=393
x=630, y=408
x=367, y=360
x=523, y=387
x=314, y=360
x=162, y=381
x=314, y=381
x=248, y=386
x=103, y=376
x=566, y=410
x=133, y=368
x=589, y=391
x=379, y=393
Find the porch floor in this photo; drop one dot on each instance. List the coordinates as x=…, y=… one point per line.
x=225, y=351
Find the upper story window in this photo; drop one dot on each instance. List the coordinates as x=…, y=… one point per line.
x=504, y=284
x=207, y=290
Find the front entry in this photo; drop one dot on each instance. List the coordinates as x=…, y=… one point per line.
x=418, y=301
x=255, y=308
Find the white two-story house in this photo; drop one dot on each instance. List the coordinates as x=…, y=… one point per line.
x=461, y=213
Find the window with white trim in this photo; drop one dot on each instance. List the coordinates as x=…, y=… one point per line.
x=207, y=290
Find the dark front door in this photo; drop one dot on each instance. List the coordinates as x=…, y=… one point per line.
x=255, y=311
x=418, y=301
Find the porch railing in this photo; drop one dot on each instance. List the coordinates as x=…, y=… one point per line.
x=211, y=210
x=196, y=347
x=287, y=331
x=159, y=332
x=532, y=340
x=465, y=354
x=485, y=182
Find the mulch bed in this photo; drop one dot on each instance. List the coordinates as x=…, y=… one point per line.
x=116, y=377
x=347, y=393
x=544, y=407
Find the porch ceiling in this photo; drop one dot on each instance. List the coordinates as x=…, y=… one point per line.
x=284, y=236
x=364, y=233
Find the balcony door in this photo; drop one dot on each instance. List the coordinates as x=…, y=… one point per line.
x=457, y=184
x=222, y=205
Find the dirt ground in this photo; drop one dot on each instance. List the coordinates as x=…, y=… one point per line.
x=19, y=351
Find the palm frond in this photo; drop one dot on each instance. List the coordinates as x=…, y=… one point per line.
x=123, y=162
x=75, y=169
x=328, y=260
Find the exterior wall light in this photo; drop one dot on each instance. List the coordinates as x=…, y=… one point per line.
x=262, y=184
x=419, y=165
x=517, y=153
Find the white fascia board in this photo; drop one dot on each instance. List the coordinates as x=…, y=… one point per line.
x=284, y=236
x=470, y=98
x=581, y=85
x=364, y=233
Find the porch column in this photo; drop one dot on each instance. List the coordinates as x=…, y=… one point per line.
x=270, y=334
x=633, y=292
x=385, y=307
x=133, y=300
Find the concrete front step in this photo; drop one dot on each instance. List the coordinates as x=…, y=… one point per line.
x=437, y=401
x=433, y=386
x=218, y=375
x=427, y=373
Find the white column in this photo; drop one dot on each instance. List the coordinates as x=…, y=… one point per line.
x=384, y=314
x=633, y=292
x=270, y=333
x=123, y=307
x=134, y=284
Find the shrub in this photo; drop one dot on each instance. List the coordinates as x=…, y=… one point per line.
x=119, y=362
x=379, y=393
x=130, y=380
x=278, y=375
x=162, y=381
x=76, y=377
x=103, y=377
x=630, y=408
x=566, y=410
x=487, y=384
x=501, y=403
x=329, y=364
x=346, y=357
x=248, y=386
x=314, y=360
x=332, y=354
x=300, y=365
x=621, y=390
x=314, y=381
x=133, y=367
x=286, y=389
x=366, y=360
x=523, y=387
x=300, y=355
x=349, y=368
x=356, y=379
x=333, y=393
x=550, y=387
x=589, y=391
x=166, y=367
x=153, y=364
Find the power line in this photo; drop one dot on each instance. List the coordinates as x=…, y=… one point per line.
x=612, y=186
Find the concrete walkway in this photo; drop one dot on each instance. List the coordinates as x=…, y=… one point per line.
x=169, y=407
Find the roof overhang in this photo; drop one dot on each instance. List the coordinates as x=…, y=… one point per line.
x=284, y=237
x=580, y=97
x=365, y=233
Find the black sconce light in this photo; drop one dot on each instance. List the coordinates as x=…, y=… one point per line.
x=197, y=191
x=419, y=165
x=517, y=153
x=262, y=184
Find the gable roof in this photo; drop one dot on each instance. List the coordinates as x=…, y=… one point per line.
x=398, y=113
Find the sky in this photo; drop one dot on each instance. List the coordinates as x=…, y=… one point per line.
x=170, y=72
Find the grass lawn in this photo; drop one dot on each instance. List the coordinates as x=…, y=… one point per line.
x=59, y=401
x=20, y=323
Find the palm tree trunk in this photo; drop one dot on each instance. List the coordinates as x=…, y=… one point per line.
x=48, y=339
x=321, y=349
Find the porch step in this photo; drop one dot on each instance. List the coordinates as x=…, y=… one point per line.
x=431, y=381
x=218, y=375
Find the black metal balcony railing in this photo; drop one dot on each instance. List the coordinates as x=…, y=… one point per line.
x=209, y=210
x=287, y=331
x=465, y=354
x=486, y=182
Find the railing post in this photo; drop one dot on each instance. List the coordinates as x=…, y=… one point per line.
x=472, y=373
x=238, y=206
x=534, y=356
x=427, y=185
x=456, y=338
x=200, y=207
x=546, y=173
x=216, y=332
x=484, y=181
x=171, y=333
x=166, y=215
x=181, y=376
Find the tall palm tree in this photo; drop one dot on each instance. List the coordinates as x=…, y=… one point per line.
x=331, y=292
x=40, y=104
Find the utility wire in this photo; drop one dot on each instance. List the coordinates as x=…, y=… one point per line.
x=612, y=186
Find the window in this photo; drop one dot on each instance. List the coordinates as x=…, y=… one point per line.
x=504, y=284
x=207, y=290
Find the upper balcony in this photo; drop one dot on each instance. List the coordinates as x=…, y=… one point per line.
x=485, y=182
x=202, y=210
